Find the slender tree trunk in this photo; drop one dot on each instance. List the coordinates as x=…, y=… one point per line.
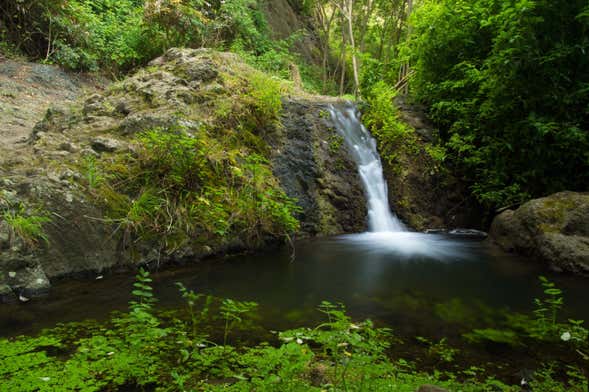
x=405, y=68
x=343, y=59
x=326, y=22
x=364, y=25
x=350, y=20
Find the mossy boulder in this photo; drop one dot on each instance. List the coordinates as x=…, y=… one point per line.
x=553, y=229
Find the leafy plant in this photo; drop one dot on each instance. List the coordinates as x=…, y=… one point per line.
x=382, y=119
x=233, y=313
x=439, y=349
x=25, y=225
x=93, y=175
x=146, y=349
x=507, y=84
x=543, y=327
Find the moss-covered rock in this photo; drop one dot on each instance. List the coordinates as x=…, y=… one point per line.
x=194, y=155
x=317, y=171
x=553, y=229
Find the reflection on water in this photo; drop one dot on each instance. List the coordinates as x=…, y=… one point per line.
x=409, y=281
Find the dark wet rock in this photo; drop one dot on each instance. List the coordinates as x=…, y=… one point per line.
x=6, y=294
x=30, y=282
x=323, y=179
x=469, y=233
x=414, y=116
x=76, y=242
x=105, y=144
x=554, y=229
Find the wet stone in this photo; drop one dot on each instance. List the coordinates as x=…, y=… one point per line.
x=105, y=144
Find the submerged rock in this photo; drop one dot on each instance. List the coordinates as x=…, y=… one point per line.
x=554, y=229
x=468, y=233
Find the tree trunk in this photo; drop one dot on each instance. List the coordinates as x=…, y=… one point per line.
x=343, y=58
x=326, y=22
x=350, y=20
x=364, y=25
x=405, y=68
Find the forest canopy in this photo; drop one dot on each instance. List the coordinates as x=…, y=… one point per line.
x=508, y=84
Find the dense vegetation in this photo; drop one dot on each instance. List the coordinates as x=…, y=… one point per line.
x=205, y=347
x=508, y=83
x=505, y=81
x=116, y=36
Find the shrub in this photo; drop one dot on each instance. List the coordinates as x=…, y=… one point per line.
x=507, y=84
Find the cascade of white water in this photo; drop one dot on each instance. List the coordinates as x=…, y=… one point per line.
x=363, y=148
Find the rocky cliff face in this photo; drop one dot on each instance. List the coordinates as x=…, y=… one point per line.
x=314, y=167
x=57, y=175
x=553, y=229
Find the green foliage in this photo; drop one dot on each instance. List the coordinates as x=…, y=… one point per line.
x=25, y=224
x=335, y=143
x=439, y=349
x=92, y=174
x=144, y=349
x=233, y=312
x=265, y=95
x=116, y=36
x=395, y=138
x=493, y=335
x=183, y=188
x=383, y=122
x=507, y=84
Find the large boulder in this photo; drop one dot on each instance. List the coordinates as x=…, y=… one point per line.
x=554, y=229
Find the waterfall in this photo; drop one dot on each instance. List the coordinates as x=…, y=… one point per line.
x=363, y=148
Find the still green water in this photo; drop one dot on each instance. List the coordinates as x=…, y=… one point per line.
x=417, y=284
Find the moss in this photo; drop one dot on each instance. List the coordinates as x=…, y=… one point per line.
x=328, y=224
x=418, y=222
x=335, y=143
x=555, y=210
